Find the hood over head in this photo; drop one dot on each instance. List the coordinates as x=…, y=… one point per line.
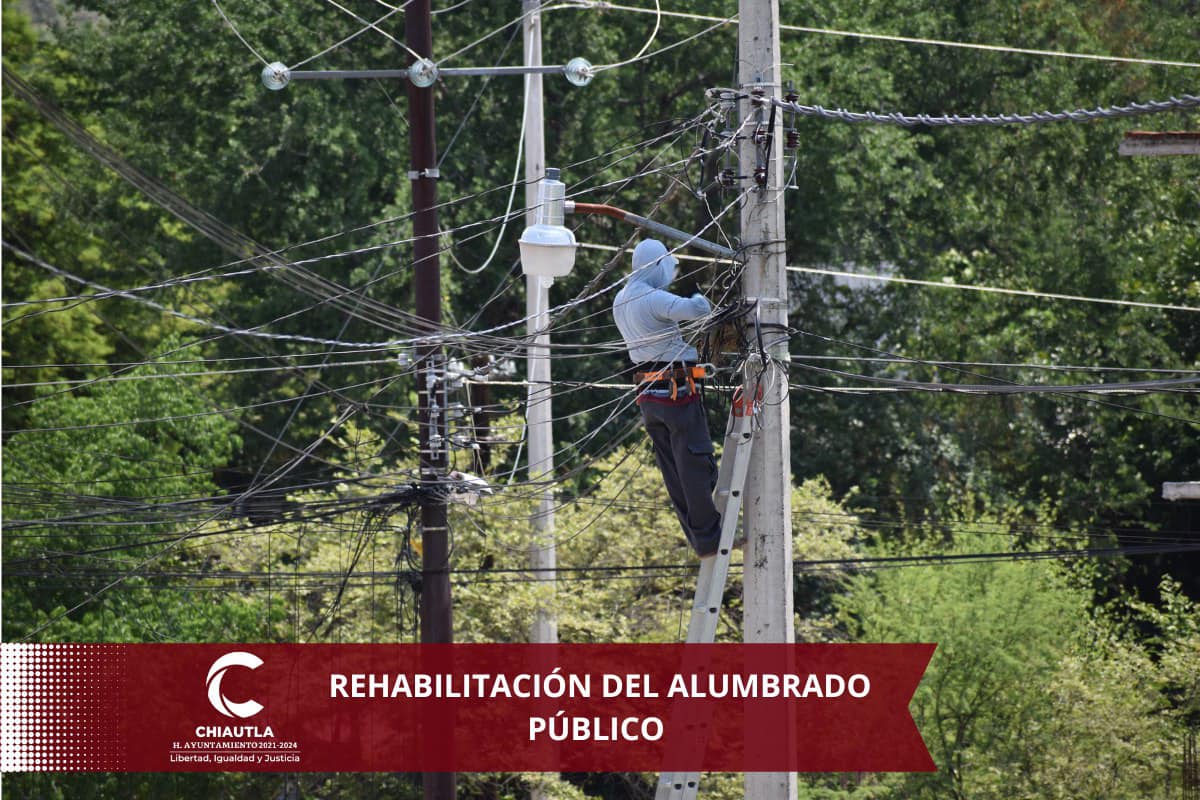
x=653, y=264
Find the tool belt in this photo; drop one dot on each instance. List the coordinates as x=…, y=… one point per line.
x=672, y=377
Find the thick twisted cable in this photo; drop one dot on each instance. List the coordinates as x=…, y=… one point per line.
x=1183, y=102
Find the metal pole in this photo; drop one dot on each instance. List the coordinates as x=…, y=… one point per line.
x=542, y=556
x=767, y=509
x=384, y=74
x=436, y=619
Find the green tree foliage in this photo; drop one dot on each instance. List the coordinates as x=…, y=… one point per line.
x=1030, y=693
x=1051, y=208
x=35, y=163
x=626, y=572
x=122, y=471
x=1037, y=690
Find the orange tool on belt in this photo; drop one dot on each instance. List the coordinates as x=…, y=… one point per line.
x=674, y=375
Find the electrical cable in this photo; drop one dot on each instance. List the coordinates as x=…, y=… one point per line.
x=367, y=25
x=201, y=414
x=122, y=378
x=326, y=509
x=329, y=294
x=238, y=34
x=642, y=55
x=494, y=32
x=606, y=4
x=862, y=563
x=459, y=4
x=645, y=47
x=1051, y=367
x=1000, y=382
x=595, y=430
x=516, y=180
x=1134, y=109
x=1011, y=388
x=989, y=289
x=1157, y=62
x=483, y=88
x=228, y=238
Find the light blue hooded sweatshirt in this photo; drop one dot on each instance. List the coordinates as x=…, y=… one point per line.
x=648, y=316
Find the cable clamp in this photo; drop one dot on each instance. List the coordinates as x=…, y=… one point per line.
x=747, y=408
x=429, y=172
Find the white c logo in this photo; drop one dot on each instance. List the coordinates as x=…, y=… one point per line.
x=216, y=672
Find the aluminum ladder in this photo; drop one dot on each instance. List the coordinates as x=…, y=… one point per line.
x=710, y=585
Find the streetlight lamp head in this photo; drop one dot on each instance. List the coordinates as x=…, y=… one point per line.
x=547, y=250
x=548, y=247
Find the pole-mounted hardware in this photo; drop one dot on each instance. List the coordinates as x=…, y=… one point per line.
x=423, y=73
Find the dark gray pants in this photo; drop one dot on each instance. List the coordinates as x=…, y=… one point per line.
x=684, y=453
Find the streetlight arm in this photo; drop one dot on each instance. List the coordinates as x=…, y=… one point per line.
x=654, y=227
x=595, y=208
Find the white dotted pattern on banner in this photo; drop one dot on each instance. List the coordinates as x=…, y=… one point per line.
x=58, y=707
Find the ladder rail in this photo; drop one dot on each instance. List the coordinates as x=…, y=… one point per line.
x=714, y=571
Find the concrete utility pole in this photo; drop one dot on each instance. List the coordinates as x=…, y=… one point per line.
x=538, y=425
x=767, y=507
x=436, y=619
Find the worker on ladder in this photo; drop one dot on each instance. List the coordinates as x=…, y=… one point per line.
x=666, y=374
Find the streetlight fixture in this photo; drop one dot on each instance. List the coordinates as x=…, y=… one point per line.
x=548, y=246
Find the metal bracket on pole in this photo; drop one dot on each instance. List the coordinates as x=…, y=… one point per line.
x=277, y=75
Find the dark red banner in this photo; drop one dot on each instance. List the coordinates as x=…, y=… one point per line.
x=462, y=708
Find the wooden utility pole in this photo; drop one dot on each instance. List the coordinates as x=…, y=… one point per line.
x=767, y=507
x=436, y=618
x=538, y=418
x=1191, y=768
